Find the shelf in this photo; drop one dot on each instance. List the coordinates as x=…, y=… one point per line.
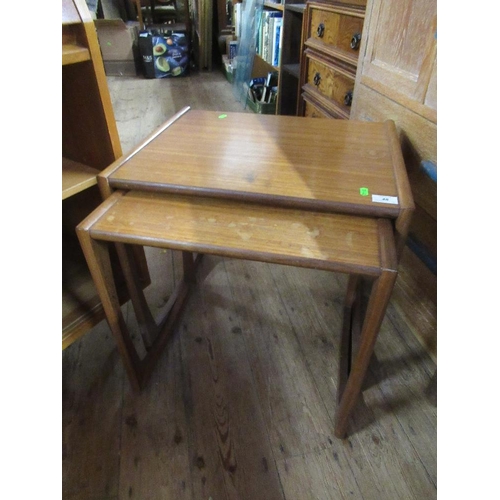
x=293, y=69
x=272, y=5
x=296, y=7
x=81, y=306
x=72, y=54
x=80, y=313
x=262, y=67
x=76, y=177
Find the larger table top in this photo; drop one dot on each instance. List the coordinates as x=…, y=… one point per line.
x=330, y=165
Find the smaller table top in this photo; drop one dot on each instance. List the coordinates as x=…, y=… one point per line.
x=330, y=241
x=328, y=165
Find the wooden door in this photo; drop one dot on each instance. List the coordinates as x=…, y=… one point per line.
x=397, y=75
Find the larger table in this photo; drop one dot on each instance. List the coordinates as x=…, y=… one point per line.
x=328, y=194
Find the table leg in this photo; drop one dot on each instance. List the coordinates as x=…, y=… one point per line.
x=97, y=256
x=352, y=294
x=377, y=305
x=145, y=320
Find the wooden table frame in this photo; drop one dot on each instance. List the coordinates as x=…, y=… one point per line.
x=123, y=222
x=392, y=223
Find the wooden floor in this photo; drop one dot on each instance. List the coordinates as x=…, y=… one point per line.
x=241, y=405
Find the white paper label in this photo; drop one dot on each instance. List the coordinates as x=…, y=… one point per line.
x=378, y=198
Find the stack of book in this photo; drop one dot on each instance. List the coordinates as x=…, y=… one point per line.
x=269, y=36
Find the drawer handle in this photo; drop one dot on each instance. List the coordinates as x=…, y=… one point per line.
x=348, y=98
x=321, y=30
x=355, y=41
x=317, y=79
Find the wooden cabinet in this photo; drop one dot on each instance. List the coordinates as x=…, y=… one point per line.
x=397, y=79
x=332, y=38
x=90, y=143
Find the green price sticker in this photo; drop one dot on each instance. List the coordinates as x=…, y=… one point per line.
x=222, y=116
x=363, y=191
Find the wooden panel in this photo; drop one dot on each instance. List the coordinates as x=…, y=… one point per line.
x=415, y=300
x=85, y=133
x=328, y=241
x=401, y=52
x=416, y=133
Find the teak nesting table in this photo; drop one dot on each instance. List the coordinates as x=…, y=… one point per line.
x=323, y=194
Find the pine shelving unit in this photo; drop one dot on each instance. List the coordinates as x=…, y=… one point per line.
x=90, y=143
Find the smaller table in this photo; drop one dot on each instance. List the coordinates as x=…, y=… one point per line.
x=359, y=246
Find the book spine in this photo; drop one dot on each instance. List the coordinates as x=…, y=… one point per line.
x=233, y=50
x=272, y=21
x=265, y=36
x=276, y=41
x=237, y=20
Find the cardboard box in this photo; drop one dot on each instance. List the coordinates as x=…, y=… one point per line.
x=261, y=108
x=119, y=46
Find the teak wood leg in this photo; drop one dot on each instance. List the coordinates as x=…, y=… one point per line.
x=377, y=305
x=98, y=260
x=145, y=320
x=97, y=256
x=350, y=302
x=148, y=327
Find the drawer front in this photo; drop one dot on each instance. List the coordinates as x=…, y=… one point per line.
x=330, y=81
x=313, y=109
x=316, y=106
x=336, y=33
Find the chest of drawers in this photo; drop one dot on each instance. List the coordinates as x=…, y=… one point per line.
x=332, y=36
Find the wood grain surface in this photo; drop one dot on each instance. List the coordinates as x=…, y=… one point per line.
x=275, y=159
x=251, y=231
